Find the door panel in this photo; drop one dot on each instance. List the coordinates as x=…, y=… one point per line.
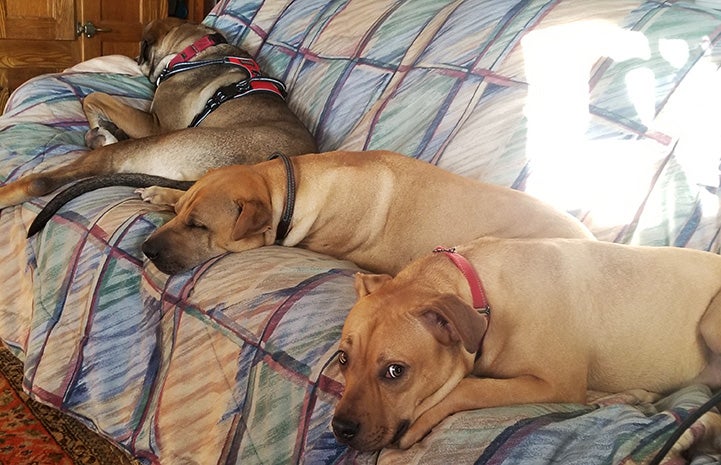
x=44, y=20
x=38, y=36
x=124, y=21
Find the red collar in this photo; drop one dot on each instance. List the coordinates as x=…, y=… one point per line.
x=480, y=302
x=196, y=47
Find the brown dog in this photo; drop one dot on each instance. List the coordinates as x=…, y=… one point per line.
x=378, y=209
x=565, y=316
x=240, y=130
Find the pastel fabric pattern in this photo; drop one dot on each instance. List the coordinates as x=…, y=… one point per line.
x=233, y=362
x=447, y=82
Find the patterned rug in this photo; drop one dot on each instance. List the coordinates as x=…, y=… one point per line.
x=35, y=434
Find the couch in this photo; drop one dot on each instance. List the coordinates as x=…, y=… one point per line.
x=608, y=110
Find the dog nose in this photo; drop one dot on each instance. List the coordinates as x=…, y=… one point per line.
x=150, y=250
x=344, y=429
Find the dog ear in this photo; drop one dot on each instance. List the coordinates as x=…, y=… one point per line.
x=148, y=39
x=367, y=283
x=451, y=321
x=254, y=218
x=143, y=57
x=152, y=33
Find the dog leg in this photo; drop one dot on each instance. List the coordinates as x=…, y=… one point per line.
x=105, y=111
x=91, y=163
x=710, y=325
x=164, y=155
x=474, y=393
x=38, y=184
x=630, y=397
x=710, y=328
x=107, y=133
x=163, y=196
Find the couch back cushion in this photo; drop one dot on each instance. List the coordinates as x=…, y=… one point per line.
x=601, y=108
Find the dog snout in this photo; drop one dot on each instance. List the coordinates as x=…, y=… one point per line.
x=151, y=249
x=168, y=258
x=345, y=429
x=156, y=251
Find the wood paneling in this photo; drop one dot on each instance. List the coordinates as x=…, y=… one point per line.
x=38, y=36
x=37, y=20
x=124, y=20
x=199, y=9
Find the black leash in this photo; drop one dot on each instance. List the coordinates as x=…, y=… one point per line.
x=686, y=424
x=287, y=218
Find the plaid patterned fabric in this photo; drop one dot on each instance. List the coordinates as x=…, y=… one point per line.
x=603, y=108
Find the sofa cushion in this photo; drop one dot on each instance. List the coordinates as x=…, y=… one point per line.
x=604, y=109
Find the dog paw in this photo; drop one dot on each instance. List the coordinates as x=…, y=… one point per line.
x=149, y=194
x=116, y=133
x=157, y=195
x=630, y=397
x=98, y=137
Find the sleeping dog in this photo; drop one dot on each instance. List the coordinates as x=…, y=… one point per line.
x=379, y=209
x=510, y=321
x=196, y=120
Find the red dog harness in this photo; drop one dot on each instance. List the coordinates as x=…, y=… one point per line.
x=255, y=82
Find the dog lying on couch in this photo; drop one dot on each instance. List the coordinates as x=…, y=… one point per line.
x=196, y=121
x=543, y=320
x=378, y=209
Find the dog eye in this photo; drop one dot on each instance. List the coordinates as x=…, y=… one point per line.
x=394, y=371
x=342, y=357
x=196, y=224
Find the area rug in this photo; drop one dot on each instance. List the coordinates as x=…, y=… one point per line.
x=35, y=434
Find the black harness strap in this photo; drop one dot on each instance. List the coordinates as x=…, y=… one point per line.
x=255, y=82
x=237, y=90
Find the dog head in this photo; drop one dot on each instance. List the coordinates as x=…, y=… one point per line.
x=227, y=210
x=404, y=347
x=162, y=39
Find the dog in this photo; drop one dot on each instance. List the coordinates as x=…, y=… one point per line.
x=196, y=121
x=378, y=209
x=509, y=321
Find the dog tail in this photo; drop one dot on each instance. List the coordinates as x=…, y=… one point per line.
x=98, y=182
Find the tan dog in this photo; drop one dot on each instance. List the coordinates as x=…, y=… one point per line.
x=565, y=316
x=241, y=130
x=378, y=209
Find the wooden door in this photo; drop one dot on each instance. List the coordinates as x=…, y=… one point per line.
x=35, y=38
x=40, y=36
x=33, y=20
x=119, y=23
